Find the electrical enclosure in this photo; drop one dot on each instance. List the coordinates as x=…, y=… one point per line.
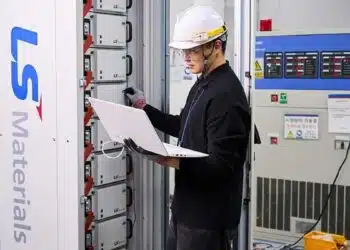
x=298, y=77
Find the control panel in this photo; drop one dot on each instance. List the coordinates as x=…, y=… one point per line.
x=273, y=64
x=302, y=109
x=301, y=65
x=327, y=62
x=107, y=66
x=107, y=30
x=335, y=64
x=108, y=201
x=106, y=170
x=110, y=234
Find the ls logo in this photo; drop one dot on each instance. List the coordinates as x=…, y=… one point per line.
x=20, y=82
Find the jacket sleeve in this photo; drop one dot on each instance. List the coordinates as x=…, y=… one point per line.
x=228, y=129
x=169, y=124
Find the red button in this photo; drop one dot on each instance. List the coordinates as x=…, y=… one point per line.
x=274, y=98
x=274, y=140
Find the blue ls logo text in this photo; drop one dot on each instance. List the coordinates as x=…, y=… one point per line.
x=20, y=87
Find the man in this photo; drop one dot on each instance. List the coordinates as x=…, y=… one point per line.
x=215, y=120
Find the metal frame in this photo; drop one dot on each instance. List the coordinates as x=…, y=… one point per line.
x=252, y=185
x=166, y=106
x=244, y=27
x=238, y=66
x=135, y=50
x=153, y=179
x=70, y=134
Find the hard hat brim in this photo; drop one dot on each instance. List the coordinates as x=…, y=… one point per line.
x=191, y=45
x=183, y=45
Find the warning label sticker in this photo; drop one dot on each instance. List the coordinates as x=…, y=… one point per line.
x=259, y=68
x=301, y=126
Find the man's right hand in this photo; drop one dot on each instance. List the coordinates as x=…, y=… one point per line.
x=136, y=97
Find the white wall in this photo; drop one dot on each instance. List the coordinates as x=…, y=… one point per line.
x=305, y=14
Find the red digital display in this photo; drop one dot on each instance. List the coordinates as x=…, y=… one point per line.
x=273, y=65
x=301, y=65
x=335, y=64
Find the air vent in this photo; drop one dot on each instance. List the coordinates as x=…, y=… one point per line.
x=300, y=226
x=279, y=201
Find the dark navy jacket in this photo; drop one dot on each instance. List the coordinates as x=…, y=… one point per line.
x=215, y=120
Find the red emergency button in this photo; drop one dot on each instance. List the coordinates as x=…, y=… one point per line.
x=274, y=98
x=273, y=140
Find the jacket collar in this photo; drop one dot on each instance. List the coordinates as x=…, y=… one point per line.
x=203, y=81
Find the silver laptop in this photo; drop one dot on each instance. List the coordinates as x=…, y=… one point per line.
x=122, y=122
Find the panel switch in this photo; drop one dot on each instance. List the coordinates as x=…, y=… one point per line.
x=341, y=144
x=274, y=98
x=273, y=140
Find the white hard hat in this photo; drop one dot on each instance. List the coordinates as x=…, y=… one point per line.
x=197, y=26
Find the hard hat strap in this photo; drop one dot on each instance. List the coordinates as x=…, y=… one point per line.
x=207, y=66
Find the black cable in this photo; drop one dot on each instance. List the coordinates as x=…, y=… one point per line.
x=291, y=246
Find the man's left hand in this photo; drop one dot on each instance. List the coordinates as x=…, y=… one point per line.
x=169, y=161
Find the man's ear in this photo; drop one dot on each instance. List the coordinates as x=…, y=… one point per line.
x=218, y=44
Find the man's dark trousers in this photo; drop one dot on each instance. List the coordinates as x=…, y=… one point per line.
x=181, y=237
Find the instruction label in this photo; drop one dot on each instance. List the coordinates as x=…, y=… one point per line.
x=259, y=68
x=339, y=113
x=301, y=127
